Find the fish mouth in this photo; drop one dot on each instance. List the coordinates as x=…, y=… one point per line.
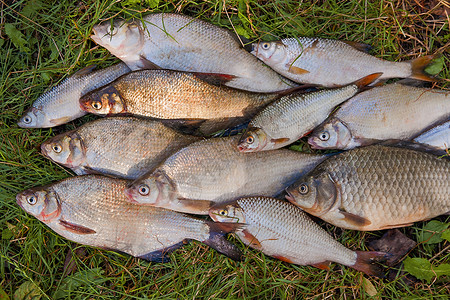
x=18, y=201
x=313, y=144
x=130, y=195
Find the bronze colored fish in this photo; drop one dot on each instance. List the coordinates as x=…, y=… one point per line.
x=375, y=188
x=281, y=230
x=127, y=147
x=93, y=210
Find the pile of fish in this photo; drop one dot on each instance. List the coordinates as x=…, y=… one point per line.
x=145, y=170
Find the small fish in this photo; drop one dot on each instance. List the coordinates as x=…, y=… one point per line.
x=393, y=111
x=332, y=63
x=174, y=95
x=293, y=116
x=438, y=136
x=60, y=105
x=212, y=171
x=178, y=42
x=281, y=230
x=126, y=147
x=375, y=188
x=93, y=210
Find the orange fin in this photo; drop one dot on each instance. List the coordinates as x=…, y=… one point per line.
x=146, y=64
x=324, y=265
x=279, y=141
x=359, y=46
x=355, y=220
x=367, y=80
x=76, y=228
x=396, y=226
x=296, y=70
x=366, y=262
x=251, y=240
x=85, y=70
x=283, y=258
x=198, y=207
x=419, y=65
x=215, y=78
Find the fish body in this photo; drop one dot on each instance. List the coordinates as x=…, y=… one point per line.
x=392, y=111
x=126, y=147
x=61, y=104
x=212, y=171
x=281, y=230
x=173, y=95
x=92, y=210
x=178, y=42
x=291, y=117
x=375, y=188
x=331, y=63
x=438, y=136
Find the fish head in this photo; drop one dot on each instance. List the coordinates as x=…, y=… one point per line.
x=332, y=134
x=67, y=149
x=103, y=101
x=254, y=139
x=230, y=213
x=34, y=118
x=41, y=203
x=123, y=39
x=315, y=193
x=275, y=52
x=150, y=189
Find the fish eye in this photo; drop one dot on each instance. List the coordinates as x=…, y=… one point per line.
x=265, y=46
x=250, y=140
x=26, y=119
x=57, y=148
x=32, y=200
x=144, y=189
x=223, y=212
x=96, y=105
x=303, y=189
x=324, y=136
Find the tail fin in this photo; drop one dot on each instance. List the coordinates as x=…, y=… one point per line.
x=365, y=81
x=217, y=240
x=419, y=65
x=366, y=262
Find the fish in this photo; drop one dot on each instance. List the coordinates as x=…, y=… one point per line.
x=393, y=111
x=179, y=42
x=293, y=116
x=285, y=232
x=173, y=95
x=125, y=147
x=438, y=136
x=213, y=171
x=60, y=105
x=93, y=210
x=375, y=188
x=331, y=63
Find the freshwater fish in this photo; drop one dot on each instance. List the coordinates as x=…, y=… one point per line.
x=126, y=147
x=178, y=42
x=213, y=171
x=331, y=63
x=281, y=230
x=166, y=94
x=392, y=111
x=438, y=136
x=60, y=105
x=293, y=116
x=375, y=188
x=93, y=210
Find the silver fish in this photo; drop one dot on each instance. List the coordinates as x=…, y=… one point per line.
x=438, y=136
x=60, y=105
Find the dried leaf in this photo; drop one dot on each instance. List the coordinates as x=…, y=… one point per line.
x=369, y=287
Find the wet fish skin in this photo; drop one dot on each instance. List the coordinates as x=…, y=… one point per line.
x=213, y=171
x=331, y=63
x=438, y=136
x=60, y=105
x=375, y=188
x=126, y=147
x=92, y=210
x=293, y=116
x=178, y=42
x=281, y=230
x=392, y=111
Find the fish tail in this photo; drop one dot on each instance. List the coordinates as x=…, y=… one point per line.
x=217, y=240
x=365, y=81
x=419, y=65
x=368, y=262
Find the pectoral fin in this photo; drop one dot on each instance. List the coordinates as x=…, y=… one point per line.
x=76, y=228
x=355, y=220
x=279, y=141
x=296, y=70
x=215, y=78
x=251, y=240
x=146, y=64
x=161, y=256
x=283, y=258
x=198, y=207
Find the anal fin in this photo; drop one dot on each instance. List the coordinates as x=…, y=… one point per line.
x=324, y=265
x=283, y=258
x=76, y=228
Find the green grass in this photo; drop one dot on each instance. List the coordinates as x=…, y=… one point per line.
x=41, y=42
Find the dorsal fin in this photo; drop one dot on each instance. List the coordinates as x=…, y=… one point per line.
x=85, y=70
x=359, y=46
